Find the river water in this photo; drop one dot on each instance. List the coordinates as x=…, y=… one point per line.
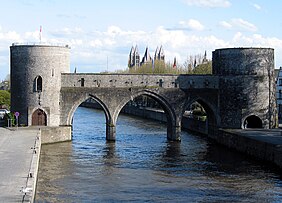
x=142, y=166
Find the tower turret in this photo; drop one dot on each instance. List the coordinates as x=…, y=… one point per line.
x=247, y=87
x=36, y=82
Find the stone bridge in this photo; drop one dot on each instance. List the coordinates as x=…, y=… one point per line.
x=113, y=91
x=239, y=93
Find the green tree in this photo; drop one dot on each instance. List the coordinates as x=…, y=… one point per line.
x=159, y=67
x=5, y=98
x=204, y=68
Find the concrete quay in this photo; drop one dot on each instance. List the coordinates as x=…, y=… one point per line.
x=262, y=144
x=19, y=161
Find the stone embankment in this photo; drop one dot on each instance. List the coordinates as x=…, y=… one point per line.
x=19, y=161
x=263, y=144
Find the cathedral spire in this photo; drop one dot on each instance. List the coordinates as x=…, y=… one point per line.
x=205, y=60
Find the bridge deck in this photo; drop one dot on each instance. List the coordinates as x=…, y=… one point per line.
x=139, y=80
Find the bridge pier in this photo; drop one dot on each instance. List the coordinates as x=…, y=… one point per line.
x=173, y=133
x=110, y=132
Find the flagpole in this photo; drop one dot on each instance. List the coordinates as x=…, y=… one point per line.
x=40, y=34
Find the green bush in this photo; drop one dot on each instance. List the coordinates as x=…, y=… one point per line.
x=11, y=118
x=199, y=112
x=5, y=98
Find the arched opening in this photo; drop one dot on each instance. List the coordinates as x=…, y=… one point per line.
x=37, y=86
x=39, y=118
x=252, y=122
x=199, y=117
x=146, y=106
x=88, y=119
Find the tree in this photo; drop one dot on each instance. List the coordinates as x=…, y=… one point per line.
x=196, y=65
x=5, y=98
x=204, y=68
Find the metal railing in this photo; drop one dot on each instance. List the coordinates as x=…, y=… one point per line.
x=40, y=43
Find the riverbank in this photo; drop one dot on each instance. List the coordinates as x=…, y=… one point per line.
x=20, y=151
x=263, y=144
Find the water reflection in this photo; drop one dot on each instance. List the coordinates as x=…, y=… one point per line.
x=143, y=166
x=53, y=162
x=110, y=160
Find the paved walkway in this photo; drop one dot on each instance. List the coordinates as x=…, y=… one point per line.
x=16, y=160
x=271, y=136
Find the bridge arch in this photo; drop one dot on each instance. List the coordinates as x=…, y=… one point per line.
x=252, y=121
x=211, y=111
x=173, y=127
x=81, y=100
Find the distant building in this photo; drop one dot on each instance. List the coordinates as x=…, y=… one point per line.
x=5, y=85
x=279, y=92
x=146, y=58
x=159, y=54
x=205, y=60
x=134, y=57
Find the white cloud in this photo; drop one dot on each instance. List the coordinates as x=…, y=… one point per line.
x=10, y=36
x=208, y=3
x=109, y=42
x=257, y=40
x=225, y=24
x=89, y=52
x=192, y=24
x=256, y=6
x=238, y=24
x=113, y=30
x=66, y=31
x=96, y=43
x=244, y=24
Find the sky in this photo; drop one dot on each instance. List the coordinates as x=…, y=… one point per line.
x=102, y=32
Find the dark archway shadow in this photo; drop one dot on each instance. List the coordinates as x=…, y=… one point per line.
x=200, y=120
x=253, y=122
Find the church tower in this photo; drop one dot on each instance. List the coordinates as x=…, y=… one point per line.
x=134, y=57
x=146, y=58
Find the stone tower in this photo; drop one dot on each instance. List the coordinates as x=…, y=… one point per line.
x=36, y=82
x=246, y=87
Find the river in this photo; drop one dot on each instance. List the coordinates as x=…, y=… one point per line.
x=142, y=166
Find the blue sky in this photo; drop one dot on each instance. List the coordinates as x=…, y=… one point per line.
x=97, y=30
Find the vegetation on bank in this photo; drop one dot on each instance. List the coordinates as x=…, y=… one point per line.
x=5, y=101
x=159, y=67
x=198, y=112
x=10, y=119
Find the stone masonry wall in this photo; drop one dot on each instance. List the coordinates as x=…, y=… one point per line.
x=140, y=80
x=246, y=85
x=29, y=62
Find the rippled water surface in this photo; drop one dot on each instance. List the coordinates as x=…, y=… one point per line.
x=142, y=166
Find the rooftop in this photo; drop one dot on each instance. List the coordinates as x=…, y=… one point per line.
x=40, y=44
